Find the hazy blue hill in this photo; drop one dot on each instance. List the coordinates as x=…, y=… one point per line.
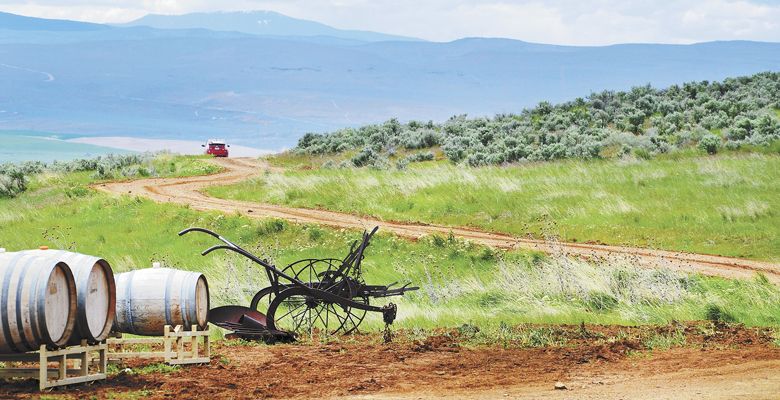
x=266, y=91
x=22, y=23
x=258, y=23
x=131, y=33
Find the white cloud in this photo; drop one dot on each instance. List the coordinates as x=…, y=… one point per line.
x=555, y=21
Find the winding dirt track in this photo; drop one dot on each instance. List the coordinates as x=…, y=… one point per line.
x=187, y=191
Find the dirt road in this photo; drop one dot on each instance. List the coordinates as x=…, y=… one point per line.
x=188, y=191
x=597, y=362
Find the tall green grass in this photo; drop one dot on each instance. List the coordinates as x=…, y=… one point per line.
x=171, y=165
x=460, y=282
x=727, y=204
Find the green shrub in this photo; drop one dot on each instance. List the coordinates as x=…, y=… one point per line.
x=665, y=340
x=315, y=234
x=271, y=227
x=643, y=120
x=716, y=313
x=710, y=143
x=642, y=153
x=76, y=191
x=601, y=302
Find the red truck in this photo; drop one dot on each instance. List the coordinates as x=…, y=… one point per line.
x=216, y=147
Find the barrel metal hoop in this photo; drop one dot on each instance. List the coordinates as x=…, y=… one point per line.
x=34, y=321
x=82, y=288
x=82, y=291
x=41, y=303
x=167, y=307
x=129, y=301
x=4, y=303
x=108, y=274
x=192, y=309
x=19, y=325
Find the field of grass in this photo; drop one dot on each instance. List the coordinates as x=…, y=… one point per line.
x=727, y=204
x=169, y=166
x=460, y=283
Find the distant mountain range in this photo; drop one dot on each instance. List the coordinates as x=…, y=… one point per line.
x=22, y=23
x=263, y=79
x=265, y=23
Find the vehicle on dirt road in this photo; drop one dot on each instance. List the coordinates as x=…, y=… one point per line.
x=216, y=147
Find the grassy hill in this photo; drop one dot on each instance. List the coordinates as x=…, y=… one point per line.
x=461, y=283
x=694, y=167
x=726, y=204
x=645, y=121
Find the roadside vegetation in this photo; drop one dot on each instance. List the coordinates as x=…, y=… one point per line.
x=15, y=178
x=461, y=283
x=644, y=121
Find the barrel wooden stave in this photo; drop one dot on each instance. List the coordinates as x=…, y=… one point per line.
x=96, y=292
x=37, y=302
x=149, y=299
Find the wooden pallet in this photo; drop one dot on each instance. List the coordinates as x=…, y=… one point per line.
x=178, y=347
x=81, y=357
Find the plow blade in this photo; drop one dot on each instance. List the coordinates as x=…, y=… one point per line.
x=246, y=323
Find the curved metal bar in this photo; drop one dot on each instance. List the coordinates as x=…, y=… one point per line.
x=271, y=270
x=252, y=257
x=196, y=229
x=209, y=232
x=217, y=247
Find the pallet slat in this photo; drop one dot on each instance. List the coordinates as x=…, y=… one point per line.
x=133, y=341
x=173, y=344
x=80, y=355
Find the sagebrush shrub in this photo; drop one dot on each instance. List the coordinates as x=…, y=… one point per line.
x=607, y=122
x=710, y=143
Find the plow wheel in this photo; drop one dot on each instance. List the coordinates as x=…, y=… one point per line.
x=293, y=310
x=316, y=273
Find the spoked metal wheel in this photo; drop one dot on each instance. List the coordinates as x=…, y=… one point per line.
x=315, y=272
x=293, y=310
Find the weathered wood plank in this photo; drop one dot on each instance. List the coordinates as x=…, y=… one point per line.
x=133, y=341
x=62, y=375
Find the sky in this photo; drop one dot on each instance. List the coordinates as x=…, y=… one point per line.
x=572, y=22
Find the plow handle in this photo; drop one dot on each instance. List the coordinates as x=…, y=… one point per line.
x=271, y=270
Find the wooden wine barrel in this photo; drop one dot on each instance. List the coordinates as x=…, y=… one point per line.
x=96, y=293
x=149, y=299
x=37, y=302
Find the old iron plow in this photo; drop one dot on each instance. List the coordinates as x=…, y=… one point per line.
x=324, y=295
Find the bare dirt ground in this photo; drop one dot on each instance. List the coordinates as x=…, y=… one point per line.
x=188, y=191
x=724, y=362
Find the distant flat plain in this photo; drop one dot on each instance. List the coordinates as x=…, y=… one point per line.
x=189, y=147
x=34, y=146
x=20, y=146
